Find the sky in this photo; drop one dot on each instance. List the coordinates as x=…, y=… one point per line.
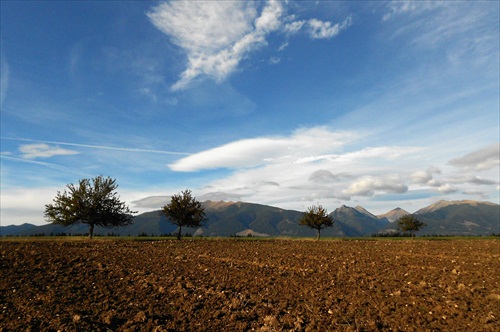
x=381, y=104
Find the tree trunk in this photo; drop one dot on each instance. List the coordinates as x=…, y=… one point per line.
x=319, y=235
x=91, y=231
x=179, y=233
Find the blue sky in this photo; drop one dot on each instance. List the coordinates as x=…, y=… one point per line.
x=290, y=104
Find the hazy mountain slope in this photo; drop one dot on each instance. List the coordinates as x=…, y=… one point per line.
x=230, y=218
x=460, y=218
x=15, y=229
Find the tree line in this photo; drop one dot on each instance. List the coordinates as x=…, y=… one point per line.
x=95, y=202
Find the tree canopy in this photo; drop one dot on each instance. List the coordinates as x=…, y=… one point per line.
x=184, y=211
x=410, y=223
x=93, y=202
x=316, y=217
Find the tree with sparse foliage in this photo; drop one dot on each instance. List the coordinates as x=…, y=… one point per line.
x=93, y=202
x=316, y=217
x=410, y=223
x=184, y=211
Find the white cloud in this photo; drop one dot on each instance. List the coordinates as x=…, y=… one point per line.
x=447, y=188
x=368, y=185
x=218, y=35
x=204, y=26
x=423, y=177
x=269, y=20
x=480, y=160
x=42, y=150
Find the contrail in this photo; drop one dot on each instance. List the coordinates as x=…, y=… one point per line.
x=94, y=146
x=55, y=166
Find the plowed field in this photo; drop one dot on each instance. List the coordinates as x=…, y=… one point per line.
x=238, y=285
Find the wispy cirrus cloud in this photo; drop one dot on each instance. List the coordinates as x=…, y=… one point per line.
x=396, y=8
x=471, y=37
x=218, y=35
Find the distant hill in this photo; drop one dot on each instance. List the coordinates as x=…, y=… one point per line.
x=15, y=229
x=247, y=219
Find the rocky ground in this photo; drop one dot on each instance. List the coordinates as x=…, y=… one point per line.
x=262, y=285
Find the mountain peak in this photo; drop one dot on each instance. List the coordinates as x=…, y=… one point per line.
x=364, y=211
x=394, y=214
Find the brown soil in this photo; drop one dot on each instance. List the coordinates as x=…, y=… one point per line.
x=235, y=285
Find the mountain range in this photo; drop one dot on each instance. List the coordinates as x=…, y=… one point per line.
x=248, y=219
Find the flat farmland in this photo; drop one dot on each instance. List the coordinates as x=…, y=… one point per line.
x=240, y=285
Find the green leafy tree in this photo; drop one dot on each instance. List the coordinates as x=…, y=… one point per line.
x=316, y=217
x=184, y=211
x=410, y=223
x=93, y=202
